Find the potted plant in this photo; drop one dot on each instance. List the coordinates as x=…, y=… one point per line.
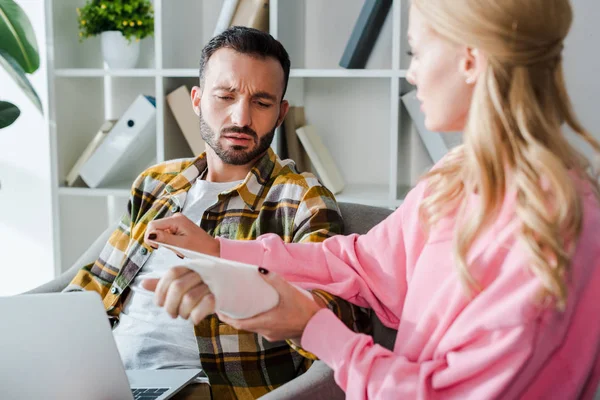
x=18, y=55
x=121, y=25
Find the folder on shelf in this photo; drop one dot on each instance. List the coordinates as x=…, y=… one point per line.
x=321, y=158
x=293, y=148
x=437, y=144
x=180, y=103
x=225, y=16
x=365, y=33
x=89, y=150
x=128, y=149
x=253, y=14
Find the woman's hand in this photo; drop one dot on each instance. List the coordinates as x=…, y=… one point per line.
x=181, y=292
x=179, y=231
x=288, y=319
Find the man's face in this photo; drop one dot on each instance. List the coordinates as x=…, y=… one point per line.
x=240, y=105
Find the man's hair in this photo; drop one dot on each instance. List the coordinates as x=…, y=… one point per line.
x=248, y=41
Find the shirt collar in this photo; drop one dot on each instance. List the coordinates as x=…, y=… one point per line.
x=251, y=190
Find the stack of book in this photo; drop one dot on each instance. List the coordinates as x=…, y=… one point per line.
x=180, y=103
x=303, y=144
x=250, y=13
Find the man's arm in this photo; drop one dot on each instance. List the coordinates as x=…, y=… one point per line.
x=99, y=275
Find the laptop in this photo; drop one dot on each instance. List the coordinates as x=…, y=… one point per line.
x=60, y=346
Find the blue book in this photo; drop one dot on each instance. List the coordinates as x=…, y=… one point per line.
x=365, y=33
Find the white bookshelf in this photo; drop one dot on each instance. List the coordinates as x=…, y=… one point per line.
x=357, y=112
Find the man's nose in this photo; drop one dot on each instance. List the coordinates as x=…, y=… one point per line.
x=241, y=114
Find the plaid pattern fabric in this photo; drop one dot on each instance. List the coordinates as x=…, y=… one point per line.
x=273, y=198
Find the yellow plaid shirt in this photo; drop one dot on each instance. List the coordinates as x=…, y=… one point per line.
x=273, y=198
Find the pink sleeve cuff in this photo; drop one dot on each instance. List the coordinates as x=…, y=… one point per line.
x=246, y=251
x=325, y=336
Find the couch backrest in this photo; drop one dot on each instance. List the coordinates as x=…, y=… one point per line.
x=360, y=219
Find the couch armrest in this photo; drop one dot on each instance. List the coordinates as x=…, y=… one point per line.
x=315, y=384
x=88, y=257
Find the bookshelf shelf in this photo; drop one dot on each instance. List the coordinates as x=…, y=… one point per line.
x=346, y=73
x=193, y=73
x=98, y=72
x=357, y=112
x=96, y=192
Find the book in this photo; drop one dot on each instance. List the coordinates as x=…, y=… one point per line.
x=437, y=144
x=128, y=149
x=293, y=148
x=321, y=158
x=365, y=33
x=89, y=150
x=180, y=103
x=225, y=16
x=253, y=14
x=239, y=289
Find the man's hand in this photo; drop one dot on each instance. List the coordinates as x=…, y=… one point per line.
x=179, y=231
x=182, y=292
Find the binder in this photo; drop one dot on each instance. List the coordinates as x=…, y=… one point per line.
x=365, y=33
x=89, y=150
x=129, y=148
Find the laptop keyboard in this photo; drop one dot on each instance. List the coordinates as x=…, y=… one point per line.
x=147, y=394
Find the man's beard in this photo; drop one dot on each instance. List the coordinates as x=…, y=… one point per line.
x=236, y=155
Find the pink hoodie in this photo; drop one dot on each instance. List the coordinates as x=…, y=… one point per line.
x=498, y=344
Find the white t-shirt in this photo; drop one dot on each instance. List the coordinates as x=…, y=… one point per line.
x=146, y=336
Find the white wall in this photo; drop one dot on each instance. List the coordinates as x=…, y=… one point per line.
x=26, y=248
x=582, y=64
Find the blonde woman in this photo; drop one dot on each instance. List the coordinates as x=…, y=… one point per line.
x=490, y=270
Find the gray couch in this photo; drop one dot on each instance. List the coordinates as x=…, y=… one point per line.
x=317, y=383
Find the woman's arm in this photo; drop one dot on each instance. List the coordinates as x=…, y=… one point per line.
x=481, y=368
x=367, y=270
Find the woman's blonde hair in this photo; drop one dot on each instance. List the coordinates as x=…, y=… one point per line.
x=513, y=133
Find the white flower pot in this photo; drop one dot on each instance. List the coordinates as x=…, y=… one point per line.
x=118, y=52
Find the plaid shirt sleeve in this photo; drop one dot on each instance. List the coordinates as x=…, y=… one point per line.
x=317, y=219
x=100, y=275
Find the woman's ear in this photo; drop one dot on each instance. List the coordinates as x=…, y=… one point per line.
x=196, y=96
x=472, y=65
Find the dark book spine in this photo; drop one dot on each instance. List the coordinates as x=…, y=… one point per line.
x=365, y=32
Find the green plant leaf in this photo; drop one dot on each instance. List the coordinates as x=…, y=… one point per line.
x=17, y=36
x=16, y=72
x=8, y=113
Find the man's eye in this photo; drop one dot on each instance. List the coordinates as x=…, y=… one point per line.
x=262, y=104
x=225, y=97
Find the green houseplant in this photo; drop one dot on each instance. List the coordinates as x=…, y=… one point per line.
x=19, y=56
x=118, y=22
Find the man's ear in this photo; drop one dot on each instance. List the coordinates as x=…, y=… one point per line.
x=472, y=65
x=283, y=110
x=196, y=97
